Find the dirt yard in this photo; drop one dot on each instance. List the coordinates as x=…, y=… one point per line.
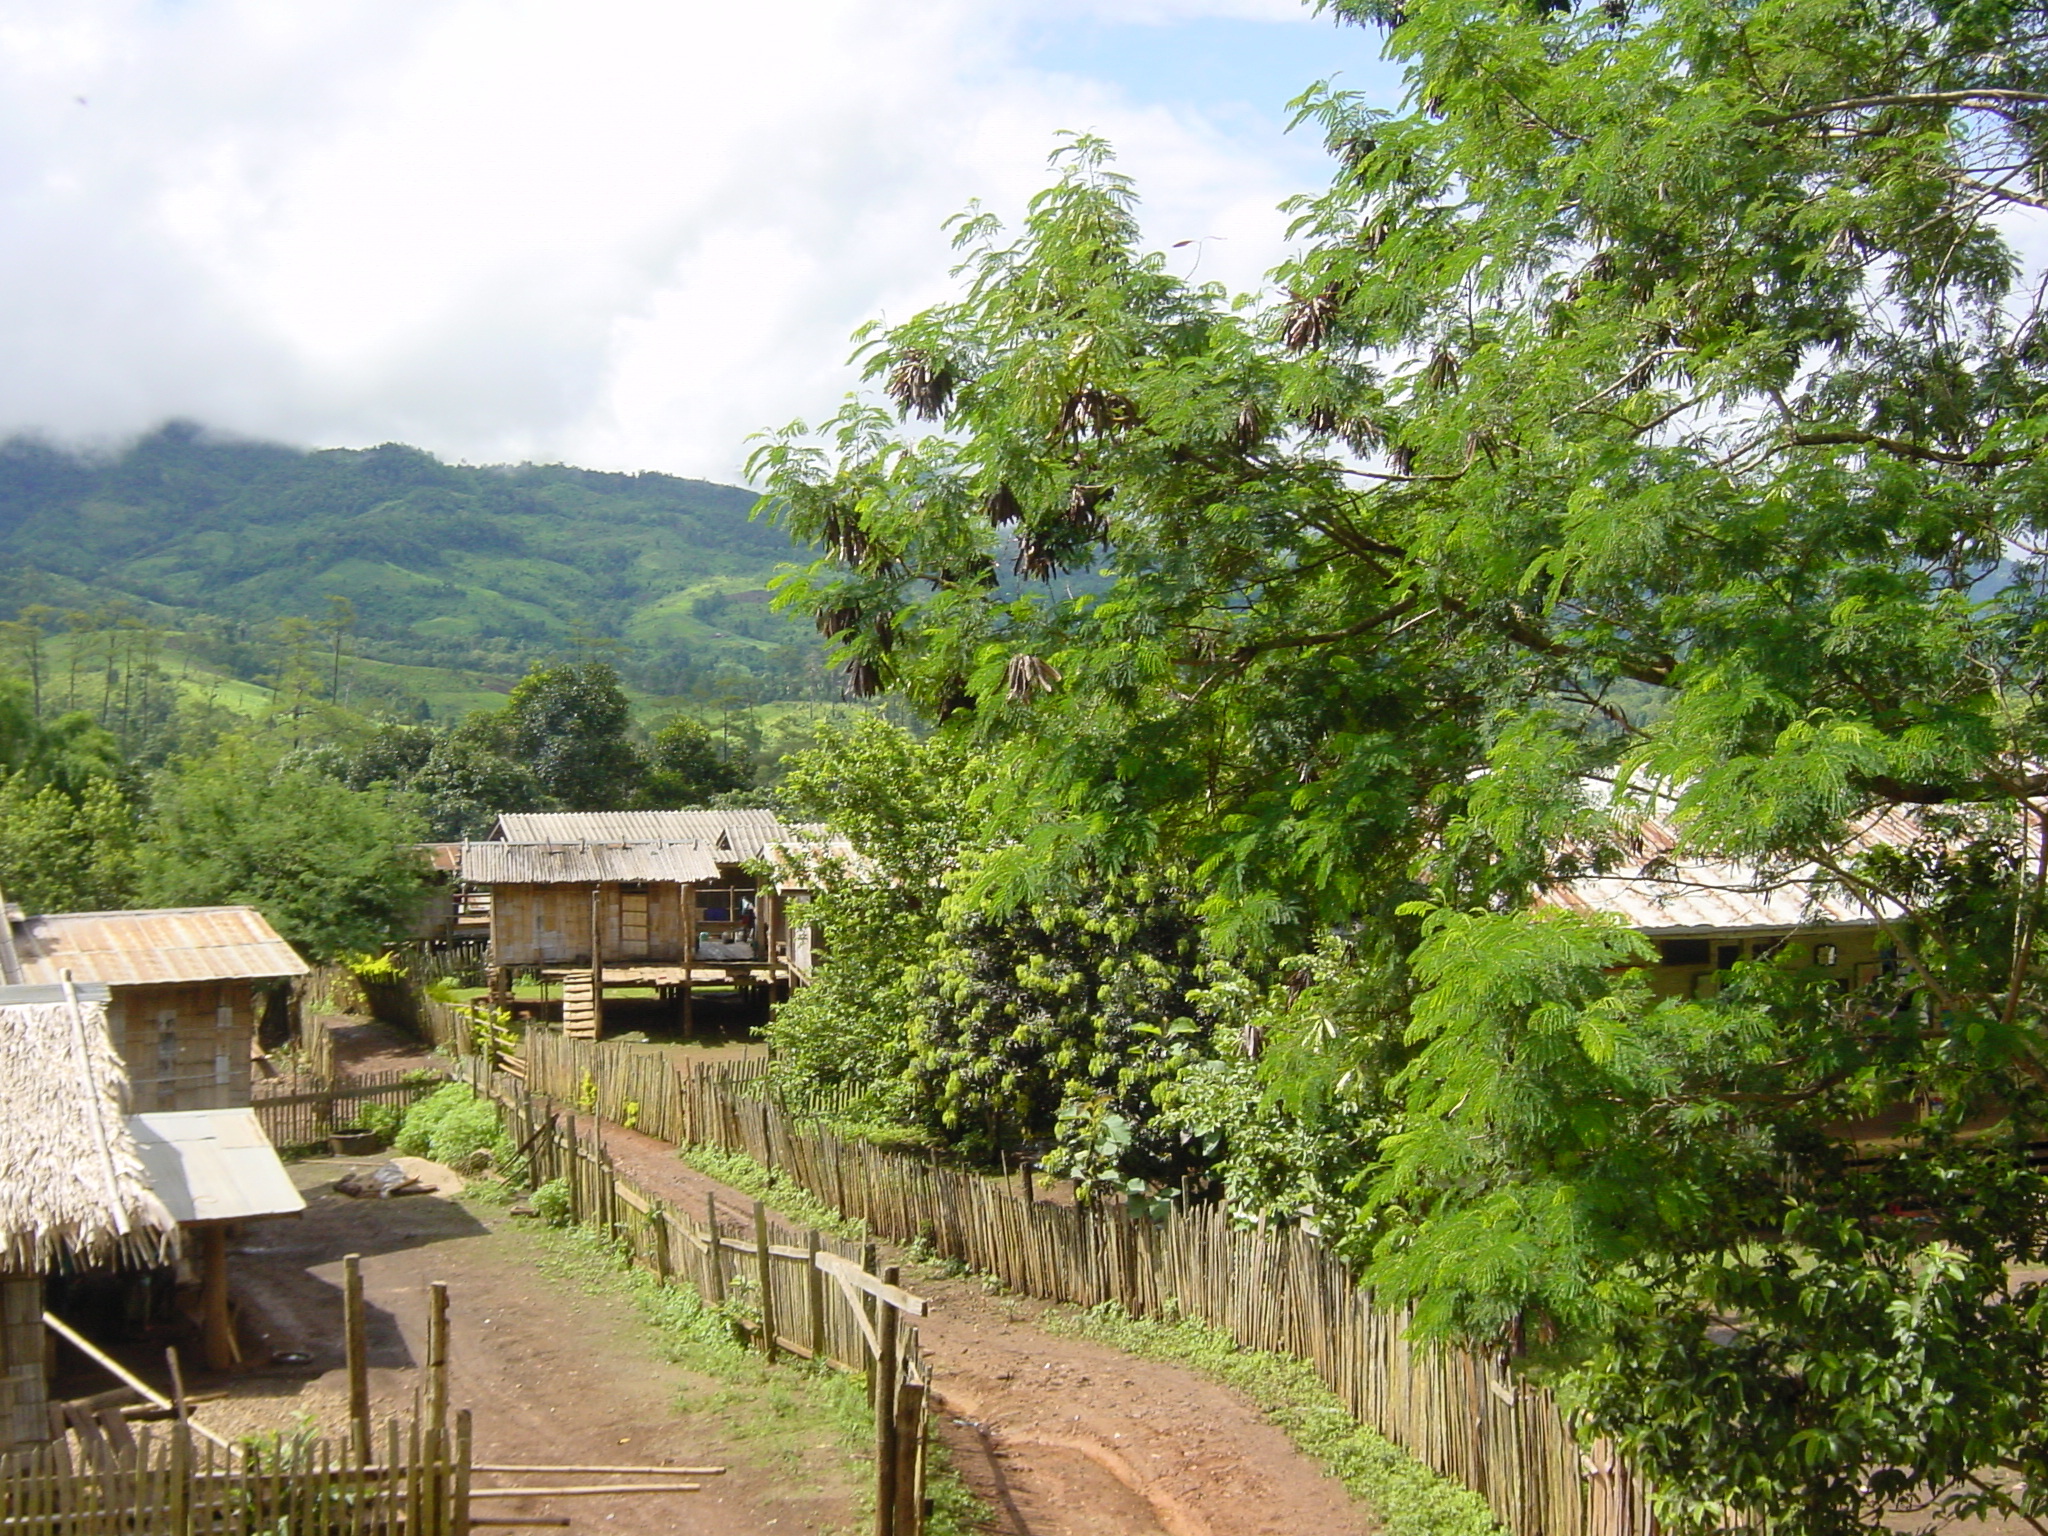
x=557, y=1364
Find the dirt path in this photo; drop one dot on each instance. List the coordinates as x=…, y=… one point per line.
x=555, y=1370
x=1064, y=1436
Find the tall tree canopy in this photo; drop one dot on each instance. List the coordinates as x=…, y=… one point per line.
x=1651, y=417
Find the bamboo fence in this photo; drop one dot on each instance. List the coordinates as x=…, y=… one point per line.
x=298, y=1112
x=796, y=1292
x=171, y=1484
x=1469, y=1417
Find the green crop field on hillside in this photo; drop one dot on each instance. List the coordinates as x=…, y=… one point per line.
x=441, y=583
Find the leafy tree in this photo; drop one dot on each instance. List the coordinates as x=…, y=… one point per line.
x=1653, y=406
x=569, y=722
x=1056, y=1024
x=69, y=752
x=332, y=868
x=460, y=779
x=900, y=805
x=65, y=853
x=688, y=766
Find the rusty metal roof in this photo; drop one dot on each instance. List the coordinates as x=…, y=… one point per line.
x=738, y=834
x=577, y=863
x=164, y=945
x=1665, y=892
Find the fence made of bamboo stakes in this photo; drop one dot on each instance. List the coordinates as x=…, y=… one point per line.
x=169, y=1486
x=297, y=1112
x=1468, y=1418
x=794, y=1311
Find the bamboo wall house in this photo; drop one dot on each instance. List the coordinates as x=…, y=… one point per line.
x=185, y=986
x=668, y=899
x=1706, y=915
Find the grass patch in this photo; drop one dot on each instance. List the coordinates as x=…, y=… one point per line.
x=1408, y=1498
x=774, y=1189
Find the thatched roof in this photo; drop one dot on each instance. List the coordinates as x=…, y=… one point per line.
x=72, y=1186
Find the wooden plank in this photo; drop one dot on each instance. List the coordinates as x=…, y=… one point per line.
x=848, y=1273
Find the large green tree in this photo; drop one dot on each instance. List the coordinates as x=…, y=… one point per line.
x=1651, y=419
x=334, y=869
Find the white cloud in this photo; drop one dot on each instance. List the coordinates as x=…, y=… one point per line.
x=616, y=232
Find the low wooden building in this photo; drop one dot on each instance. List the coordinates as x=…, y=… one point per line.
x=667, y=898
x=186, y=987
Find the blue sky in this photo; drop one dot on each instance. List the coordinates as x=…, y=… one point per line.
x=625, y=233
x=1212, y=63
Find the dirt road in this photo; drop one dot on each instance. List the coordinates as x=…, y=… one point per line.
x=555, y=1368
x=1064, y=1436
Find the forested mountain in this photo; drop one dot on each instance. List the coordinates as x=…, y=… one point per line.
x=442, y=566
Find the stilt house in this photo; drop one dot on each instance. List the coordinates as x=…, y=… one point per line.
x=667, y=899
x=185, y=986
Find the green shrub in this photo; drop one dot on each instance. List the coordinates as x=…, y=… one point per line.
x=384, y=1119
x=450, y=1125
x=551, y=1202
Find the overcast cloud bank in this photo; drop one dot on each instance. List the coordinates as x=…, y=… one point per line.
x=622, y=233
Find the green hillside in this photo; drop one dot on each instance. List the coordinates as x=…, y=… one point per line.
x=454, y=576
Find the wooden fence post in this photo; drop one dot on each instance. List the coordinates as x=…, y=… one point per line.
x=355, y=1340
x=814, y=1298
x=909, y=1452
x=465, y=1447
x=437, y=1358
x=714, y=1254
x=764, y=1267
x=657, y=1222
x=888, y=1363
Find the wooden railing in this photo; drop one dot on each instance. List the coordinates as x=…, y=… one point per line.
x=1469, y=1417
x=799, y=1293
x=172, y=1483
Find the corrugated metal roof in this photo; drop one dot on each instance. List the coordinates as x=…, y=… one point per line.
x=740, y=834
x=164, y=945
x=213, y=1165
x=1666, y=893
x=573, y=863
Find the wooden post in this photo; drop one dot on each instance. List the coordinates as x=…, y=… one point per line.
x=178, y=1489
x=657, y=1227
x=219, y=1326
x=765, y=1268
x=714, y=1255
x=596, y=963
x=909, y=1449
x=465, y=1447
x=355, y=1340
x=814, y=1298
x=437, y=1358
x=888, y=1363
x=867, y=1305
x=574, y=1174
x=1024, y=1166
